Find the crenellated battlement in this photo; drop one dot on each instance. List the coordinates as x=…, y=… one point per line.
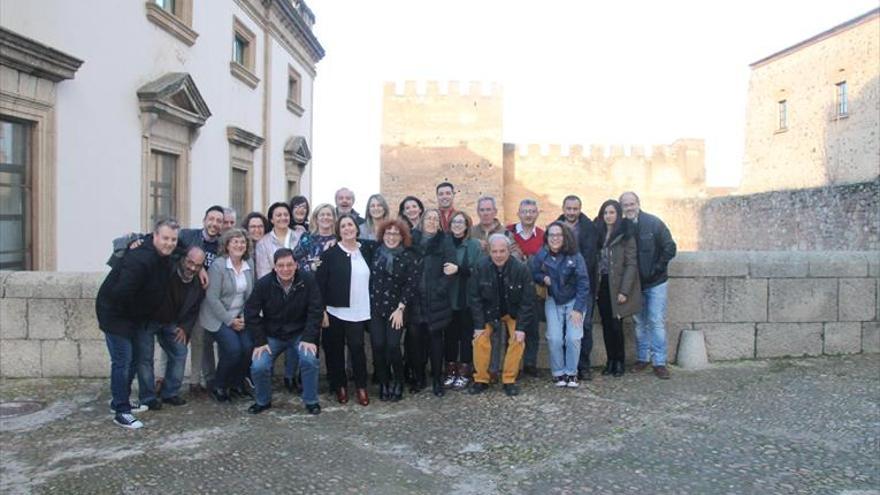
x=421, y=88
x=609, y=152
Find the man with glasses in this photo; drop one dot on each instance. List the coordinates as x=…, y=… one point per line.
x=529, y=238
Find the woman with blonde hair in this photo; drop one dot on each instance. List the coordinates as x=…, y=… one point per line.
x=377, y=212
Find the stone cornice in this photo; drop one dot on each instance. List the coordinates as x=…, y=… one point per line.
x=241, y=137
x=33, y=57
x=300, y=29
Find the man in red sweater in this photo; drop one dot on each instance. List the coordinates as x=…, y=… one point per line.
x=530, y=238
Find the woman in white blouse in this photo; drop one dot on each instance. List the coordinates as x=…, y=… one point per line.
x=281, y=236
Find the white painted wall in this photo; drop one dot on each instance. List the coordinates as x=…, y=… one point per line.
x=98, y=138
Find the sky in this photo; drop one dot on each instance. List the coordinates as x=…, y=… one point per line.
x=572, y=72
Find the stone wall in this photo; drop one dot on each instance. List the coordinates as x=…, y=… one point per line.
x=749, y=304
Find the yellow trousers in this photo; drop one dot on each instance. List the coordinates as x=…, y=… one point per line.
x=483, y=353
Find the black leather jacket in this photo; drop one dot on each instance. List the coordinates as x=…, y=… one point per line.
x=656, y=249
x=520, y=294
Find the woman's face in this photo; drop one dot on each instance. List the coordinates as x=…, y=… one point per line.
x=431, y=223
x=412, y=211
x=554, y=238
x=236, y=247
x=377, y=211
x=280, y=218
x=325, y=218
x=256, y=229
x=609, y=215
x=392, y=237
x=347, y=229
x=300, y=212
x=458, y=226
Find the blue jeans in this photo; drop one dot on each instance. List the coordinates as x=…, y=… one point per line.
x=563, y=337
x=235, y=352
x=291, y=362
x=174, y=368
x=651, y=326
x=122, y=356
x=261, y=370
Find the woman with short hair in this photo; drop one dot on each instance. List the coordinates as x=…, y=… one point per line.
x=230, y=282
x=281, y=236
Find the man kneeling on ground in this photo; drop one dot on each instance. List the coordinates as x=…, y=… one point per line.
x=502, y=300
x=284, y=310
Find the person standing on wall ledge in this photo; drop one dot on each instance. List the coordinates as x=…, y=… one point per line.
x=344, y=198
x=445, y=196
x=656, y=248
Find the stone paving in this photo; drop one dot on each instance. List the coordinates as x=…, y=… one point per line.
x=780, y=426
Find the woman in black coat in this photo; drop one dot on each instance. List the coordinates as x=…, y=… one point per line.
x=432, y=312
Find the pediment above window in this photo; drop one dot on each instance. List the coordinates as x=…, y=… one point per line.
x=297, y=150
x=174, y=97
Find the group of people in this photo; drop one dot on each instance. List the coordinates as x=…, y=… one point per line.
x=465, y=296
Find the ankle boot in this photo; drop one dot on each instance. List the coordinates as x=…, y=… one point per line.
x=618, y=369
x=384, y=392
x=437, y=388
x=609, y=368
x=396, y=391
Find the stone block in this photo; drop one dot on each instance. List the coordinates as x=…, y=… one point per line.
x=673, y=335
x=843, y=338
x=90, y=283
x=46, y=318
x=803, y=300
x=4, y=274
x=695, y=299
x=858, y=299
x=773, y=264
x=788, y=339
x=710, y=264
x=873, y=264
x=43, y=285
x=838, y=264
x=94, y=360
x=13, y=318
x=20, y=358
x=871, y=336
x=82, y=323
x=60, y=358
x=727, y=341
x=745, y=299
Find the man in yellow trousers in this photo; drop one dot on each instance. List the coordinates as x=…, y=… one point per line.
x=502, y=300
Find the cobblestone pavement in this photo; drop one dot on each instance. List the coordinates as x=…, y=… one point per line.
x=782, y=426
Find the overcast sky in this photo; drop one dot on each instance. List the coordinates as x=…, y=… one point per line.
x=573, y=72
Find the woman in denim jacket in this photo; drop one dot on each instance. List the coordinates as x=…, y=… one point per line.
x=560, y=268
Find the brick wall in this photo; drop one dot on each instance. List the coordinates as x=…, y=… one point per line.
x=749, y=304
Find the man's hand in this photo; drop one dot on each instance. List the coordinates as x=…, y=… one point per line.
x=621, y=299
x=258, y=351
x=237, y=324
x=180, y=336
x=450, y=268
x=577, y=318
x=396, y=319
x=478, y=332
x=326, y=321
x=136, y=243
x=203, y=278
x=308, y=348
x=520, y=336
x=547, y=280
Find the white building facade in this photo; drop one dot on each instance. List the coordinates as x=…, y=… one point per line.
x=116, y=113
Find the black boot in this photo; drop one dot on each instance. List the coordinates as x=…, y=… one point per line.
x=384, y=392
x=618, y=369
x=396, y=391
x=609, y=368
x=437, y=388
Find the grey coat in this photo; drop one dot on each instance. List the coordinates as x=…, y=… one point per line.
x=220, y=293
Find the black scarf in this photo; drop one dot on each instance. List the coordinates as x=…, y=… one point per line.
x=387, y=255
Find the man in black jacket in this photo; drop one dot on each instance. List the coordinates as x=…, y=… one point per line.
x=133, y=290
x=587, y=238
x=502, y=300
x=656, y=249
x=172, y=325
x=284, y=310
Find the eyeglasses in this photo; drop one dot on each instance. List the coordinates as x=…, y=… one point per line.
x=458, y=222
x=554, y=236
x=392, y=234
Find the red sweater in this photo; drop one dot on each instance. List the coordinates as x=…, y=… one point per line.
x=530, y=246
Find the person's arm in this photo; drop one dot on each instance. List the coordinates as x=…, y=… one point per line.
x=582, y=292
x=253, y=318
x=188, y=318
x=322, y=276
x=212, y=296
x=534, y=266
x=475, y=301
x=526, y=315
x=132, y=275
x=262, y=258
x=666, y=247
x=409, y=278
x=630, y=266
x=314, y=313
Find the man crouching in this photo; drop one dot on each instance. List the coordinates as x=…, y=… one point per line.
x=283, y=311
x=502, y=300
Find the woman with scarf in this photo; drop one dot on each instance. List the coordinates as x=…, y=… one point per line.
x=619, y=294
x=459, y=333
x=394, y=284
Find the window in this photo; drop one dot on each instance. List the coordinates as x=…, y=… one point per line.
x=174, y=17
x=15, y=196
x=242, y=145
x=294, y=91
x=239, y=197
x=842, y=100
x=163, y=187
x=783, y=115
x=243, y=63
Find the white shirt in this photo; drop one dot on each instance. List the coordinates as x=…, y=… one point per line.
x=240, y=285
x=522, y=233
x=359, y=290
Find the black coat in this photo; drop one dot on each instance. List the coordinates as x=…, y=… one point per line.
x=334, y=274
x=388, y=290
x=188, y=312
x=270, y=312
x=656, y=249
x=133, y=290
x=434, y=305
x=520, y=294
x=587, y=243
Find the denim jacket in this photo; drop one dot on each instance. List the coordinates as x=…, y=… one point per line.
x=568, y=277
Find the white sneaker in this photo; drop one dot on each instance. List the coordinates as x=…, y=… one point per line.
x=560, y=381
x=135, y=407
x=450, y=380
x=572, y=382
x=128, y=421
x=461, y=382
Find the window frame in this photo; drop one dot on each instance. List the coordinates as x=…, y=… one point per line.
x=294, y=91
x=782, y=115
x=841, y=100
x=177, y=23
x=245, y=70
x=28, y=219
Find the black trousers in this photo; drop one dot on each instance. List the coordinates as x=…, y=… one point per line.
x=334, y=338
x=612, y=327
x=387, y=358
x=460, y=338
x=422, y=342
